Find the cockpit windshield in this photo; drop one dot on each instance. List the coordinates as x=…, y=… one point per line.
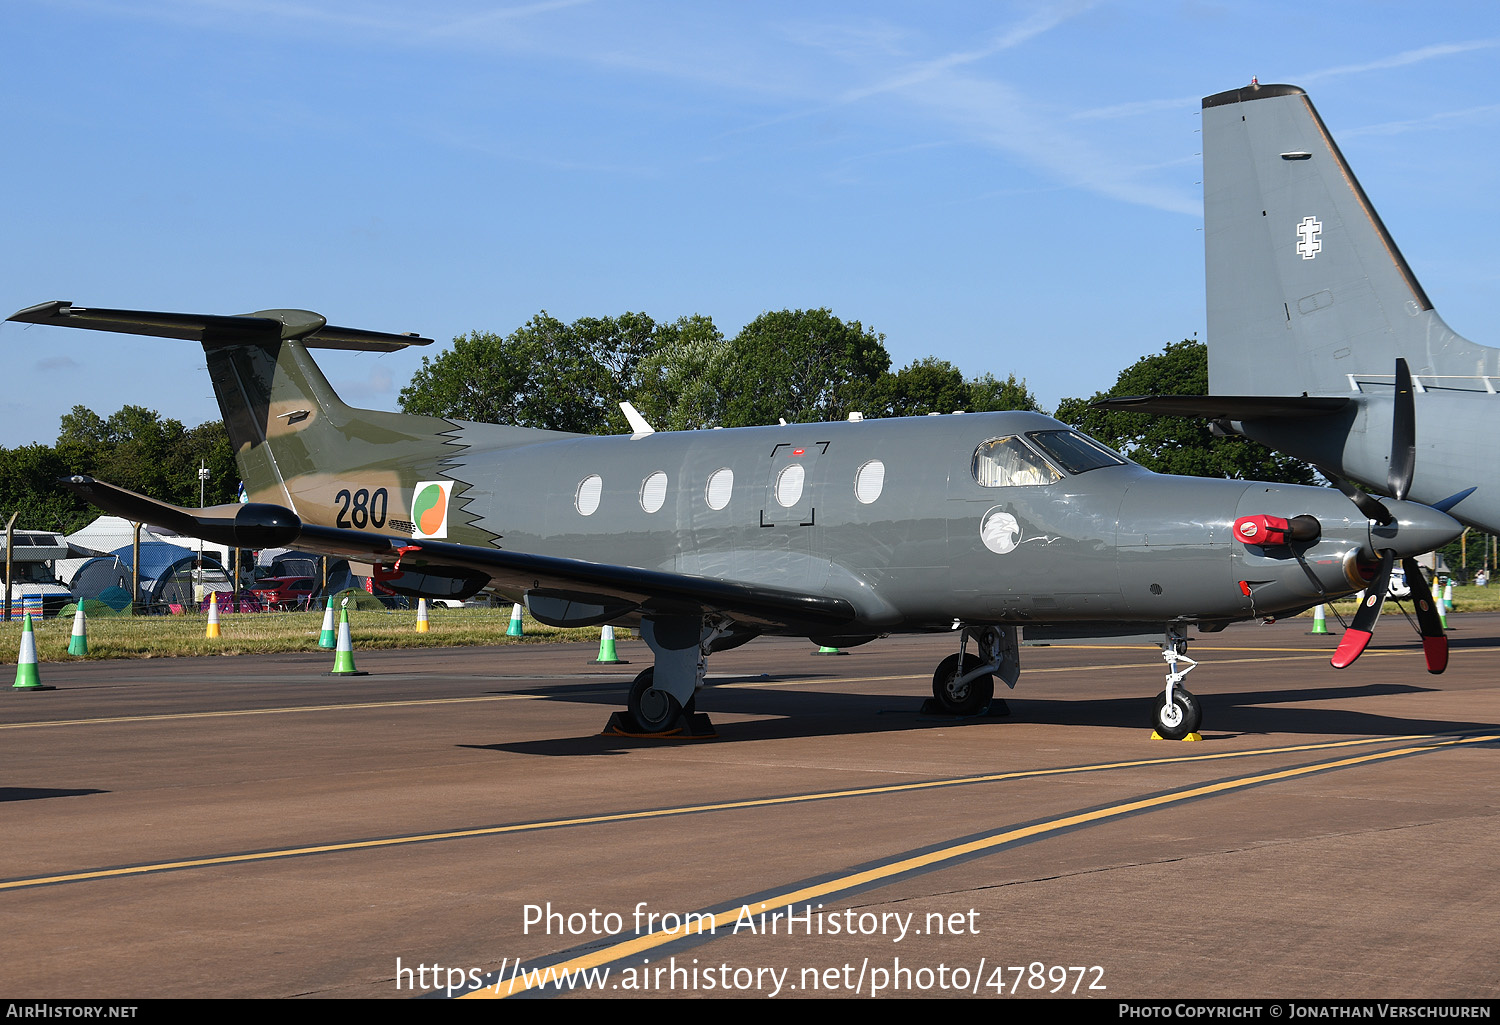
x=1075, y=452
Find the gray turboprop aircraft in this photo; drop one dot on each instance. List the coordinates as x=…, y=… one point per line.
x=1321, y=342
x=840, y=532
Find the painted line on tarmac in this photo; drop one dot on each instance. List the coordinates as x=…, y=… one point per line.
x=672, y=812
x=792, y=681
x=915, y=862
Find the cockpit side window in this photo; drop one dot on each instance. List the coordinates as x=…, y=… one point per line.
x=1008, y=462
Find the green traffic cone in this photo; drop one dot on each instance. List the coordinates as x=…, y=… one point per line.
x=343, y=659
x=826, y=650
x=328, y=638
x=607, y=654
x=78, y=644
x=1320, y=622
x=514, y=630
x=26, y=674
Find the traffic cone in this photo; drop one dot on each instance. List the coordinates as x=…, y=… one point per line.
x=329, y=637
x=1320, y=623
x=514, y=630
x=1442, y=613
x=422, y=626
x=607, y=654
x=826, y=650
x=26, y=674
x=78, y=644
x=343, y=658
x=1448, y=595
x=213, y=615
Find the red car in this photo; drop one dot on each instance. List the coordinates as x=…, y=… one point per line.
x=285, y=592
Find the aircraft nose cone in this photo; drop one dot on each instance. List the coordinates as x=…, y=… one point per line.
x=1418, y=529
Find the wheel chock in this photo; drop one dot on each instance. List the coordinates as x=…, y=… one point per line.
x=1187, y=739
x=997, y=709
x=692, y=726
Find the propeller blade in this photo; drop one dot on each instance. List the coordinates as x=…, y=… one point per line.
x=1353, y=643
x=1434, y=641
x=1366, y=502
x=1403, y=435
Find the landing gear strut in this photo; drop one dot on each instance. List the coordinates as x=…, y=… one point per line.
x=964, y=684
x=1177, y=713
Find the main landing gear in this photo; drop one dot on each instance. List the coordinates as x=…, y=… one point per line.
x=662, y=698
x=964, y=684
x=1177, y=713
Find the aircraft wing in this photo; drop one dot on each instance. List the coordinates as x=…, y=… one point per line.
x=1227, y=407
x=562, y=591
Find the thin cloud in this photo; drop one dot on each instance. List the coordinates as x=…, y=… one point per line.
x=1403, y=59
x=1444, y=119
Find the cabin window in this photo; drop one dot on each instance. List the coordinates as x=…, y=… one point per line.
x=720, y=487
x=589, y=490
x=789, y=485
x=869, y=480
x=1008, y=462
x=654, y=491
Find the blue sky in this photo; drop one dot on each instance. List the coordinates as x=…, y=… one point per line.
x=1012, y=187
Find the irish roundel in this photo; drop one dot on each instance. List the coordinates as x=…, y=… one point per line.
x=429, y=508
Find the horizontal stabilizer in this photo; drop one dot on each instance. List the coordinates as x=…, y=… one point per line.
x=265, y=327
x=1227, y=407
x=248, y=525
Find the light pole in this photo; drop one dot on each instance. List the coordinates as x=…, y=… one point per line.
x=202, y=483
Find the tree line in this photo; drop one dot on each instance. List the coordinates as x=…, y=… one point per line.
x=135, y=448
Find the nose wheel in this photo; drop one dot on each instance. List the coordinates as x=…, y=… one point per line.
x=1177, y=717
x=1177, y=713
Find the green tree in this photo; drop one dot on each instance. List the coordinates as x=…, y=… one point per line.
x=1180, y=445
x=134, y=448
x=988, y=394
x=932, y=385
x=681, y=385
x=802, y=365
x=546, y=374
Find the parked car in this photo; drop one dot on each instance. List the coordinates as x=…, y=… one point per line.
x=285, y=592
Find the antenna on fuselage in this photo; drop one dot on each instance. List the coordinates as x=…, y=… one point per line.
x=639, y=427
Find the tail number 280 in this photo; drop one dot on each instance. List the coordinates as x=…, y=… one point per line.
x=362, y=508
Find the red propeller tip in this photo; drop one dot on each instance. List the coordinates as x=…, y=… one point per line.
x=1350, y=647
x=1435, y=650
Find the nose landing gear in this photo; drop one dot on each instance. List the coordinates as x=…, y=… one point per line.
x=1177, y=715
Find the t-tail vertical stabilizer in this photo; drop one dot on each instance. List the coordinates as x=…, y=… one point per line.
x=1307, y=291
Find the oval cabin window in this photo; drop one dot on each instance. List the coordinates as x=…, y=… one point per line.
x=589, y=490
x=720, y=487
x=654, y=492
x=789, y=485
x=869, y=481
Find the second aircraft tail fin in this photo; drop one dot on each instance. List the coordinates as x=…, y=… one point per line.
x=1307, y=291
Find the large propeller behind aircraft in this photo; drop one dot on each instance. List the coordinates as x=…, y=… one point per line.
x=1402, y=467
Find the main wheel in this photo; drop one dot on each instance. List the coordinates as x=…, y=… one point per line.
x=1181, y=717
x=654, y=711
x=968, y=699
